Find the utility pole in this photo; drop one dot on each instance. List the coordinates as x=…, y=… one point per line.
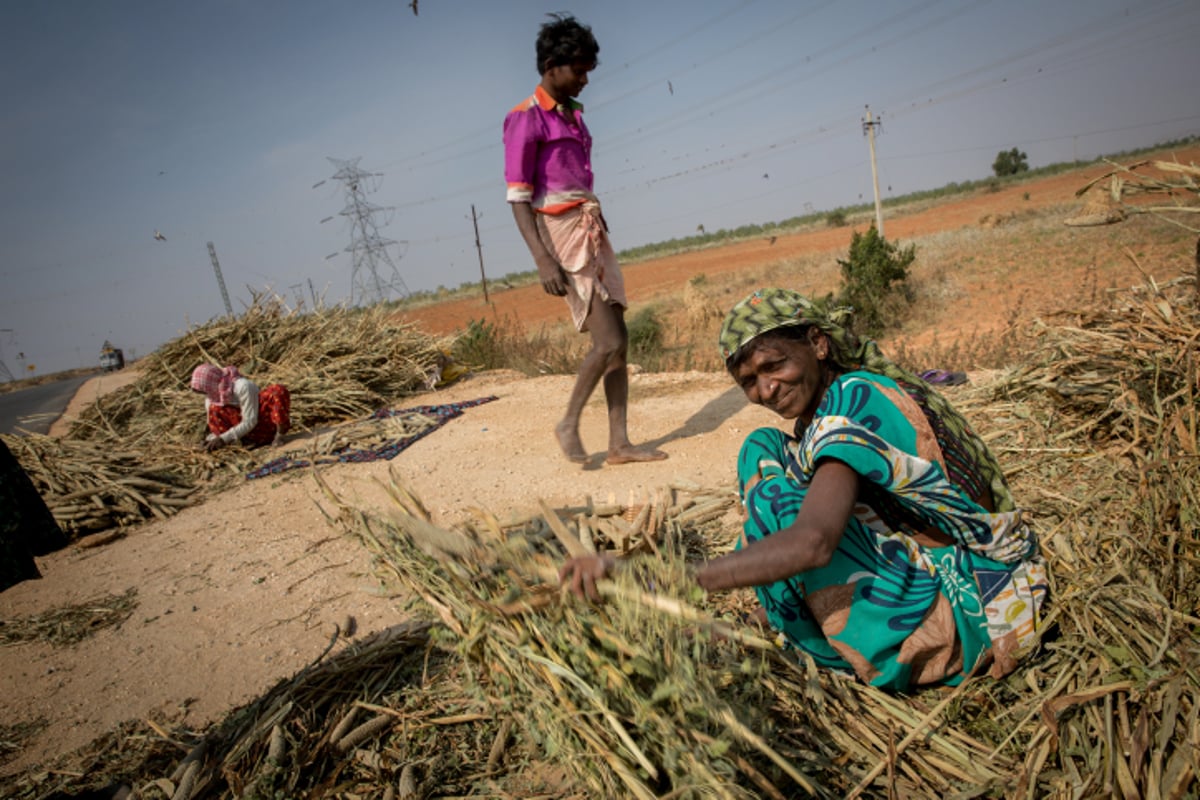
x=869, y=125
x=479, y=249
x=212, y=254
x=4, y=373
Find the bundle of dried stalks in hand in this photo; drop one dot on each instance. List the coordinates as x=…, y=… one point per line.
x=651, y=694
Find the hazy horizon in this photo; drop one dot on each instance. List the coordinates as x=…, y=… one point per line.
x=217, y=122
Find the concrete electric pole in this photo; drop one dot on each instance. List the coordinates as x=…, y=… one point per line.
x=5, y=375
x=479, y=249
x=869, y=125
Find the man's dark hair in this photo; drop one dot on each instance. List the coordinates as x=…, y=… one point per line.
x=565, y=40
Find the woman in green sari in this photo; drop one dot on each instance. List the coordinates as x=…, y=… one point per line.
x=880, y=538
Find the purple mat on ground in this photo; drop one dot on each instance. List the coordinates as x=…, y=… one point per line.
x=944, y=377
x=441, y=414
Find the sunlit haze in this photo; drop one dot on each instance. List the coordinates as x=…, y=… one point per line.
x=215, y=121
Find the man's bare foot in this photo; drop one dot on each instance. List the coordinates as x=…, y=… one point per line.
x=631, y=454
x=568, y=439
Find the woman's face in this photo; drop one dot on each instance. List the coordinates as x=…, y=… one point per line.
x=786, y=375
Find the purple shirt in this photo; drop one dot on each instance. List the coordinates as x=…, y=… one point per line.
x=547, y=161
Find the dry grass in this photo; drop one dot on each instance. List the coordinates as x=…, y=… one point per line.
x=505, y=689
x=134, y=454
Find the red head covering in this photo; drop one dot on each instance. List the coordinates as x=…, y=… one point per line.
x=216, y=383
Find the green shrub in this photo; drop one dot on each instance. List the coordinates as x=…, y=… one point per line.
x=835, y=218
x=645, y=336
x=1010, y=162
x=479, y=346
x=874, y=281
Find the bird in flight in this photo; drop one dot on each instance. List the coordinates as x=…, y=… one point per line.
x=413, y=6
x=670, y=88
x=158, y=236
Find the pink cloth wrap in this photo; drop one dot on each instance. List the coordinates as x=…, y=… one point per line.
x=579, y=242
x=216, y=383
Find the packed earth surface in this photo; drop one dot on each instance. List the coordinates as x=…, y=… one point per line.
x=249, y=587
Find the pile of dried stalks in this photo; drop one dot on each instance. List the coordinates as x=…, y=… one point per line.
x=91, y=487
x=134, y=454
x=338, y=363
x=656, y=693
x=1132, y=188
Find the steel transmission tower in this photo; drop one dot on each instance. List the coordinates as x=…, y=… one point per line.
x=212, y=254
x=374, y=277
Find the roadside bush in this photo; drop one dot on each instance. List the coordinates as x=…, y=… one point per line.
x=507, y=345
x=645, y=337
x=875, y=282
x=479, y=346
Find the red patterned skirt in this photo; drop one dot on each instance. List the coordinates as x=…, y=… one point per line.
x=274, y=415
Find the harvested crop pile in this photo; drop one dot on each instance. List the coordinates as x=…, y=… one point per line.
x=338, y=363
x=134, y=454
x=503, y=687
x=90, y=487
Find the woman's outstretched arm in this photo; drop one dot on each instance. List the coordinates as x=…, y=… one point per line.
x=809, y=542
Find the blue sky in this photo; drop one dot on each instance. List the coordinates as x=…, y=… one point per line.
x=213, y=120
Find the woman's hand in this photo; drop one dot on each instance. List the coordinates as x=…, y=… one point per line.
x=580, y=574
x=215, y=443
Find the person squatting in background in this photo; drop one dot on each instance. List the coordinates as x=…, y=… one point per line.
x=238, y=411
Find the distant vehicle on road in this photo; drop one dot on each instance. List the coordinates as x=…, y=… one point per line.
x=111, y=358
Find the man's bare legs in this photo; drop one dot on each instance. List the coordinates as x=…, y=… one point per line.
x=606, y=360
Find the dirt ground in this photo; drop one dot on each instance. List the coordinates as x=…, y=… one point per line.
x=244, y=590
x=988, y=285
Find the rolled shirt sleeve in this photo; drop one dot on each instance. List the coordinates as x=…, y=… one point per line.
x=523, y=134
x=247, y=395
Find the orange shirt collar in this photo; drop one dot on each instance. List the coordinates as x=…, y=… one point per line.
x=548, y=103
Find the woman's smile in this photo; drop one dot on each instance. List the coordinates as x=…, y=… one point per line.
x=784, y=375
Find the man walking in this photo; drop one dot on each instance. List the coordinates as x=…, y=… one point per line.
x=548, y=169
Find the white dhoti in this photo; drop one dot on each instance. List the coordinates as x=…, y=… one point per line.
x=578, y=241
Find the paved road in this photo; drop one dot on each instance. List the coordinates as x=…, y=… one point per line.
x=35, y=409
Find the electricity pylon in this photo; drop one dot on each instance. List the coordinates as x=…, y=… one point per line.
x=374, y=277
x=212, y=255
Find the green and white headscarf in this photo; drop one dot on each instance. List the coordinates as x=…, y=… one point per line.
x=767, y=310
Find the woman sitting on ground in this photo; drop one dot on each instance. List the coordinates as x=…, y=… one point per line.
x=881, y=538
x=238, y=411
